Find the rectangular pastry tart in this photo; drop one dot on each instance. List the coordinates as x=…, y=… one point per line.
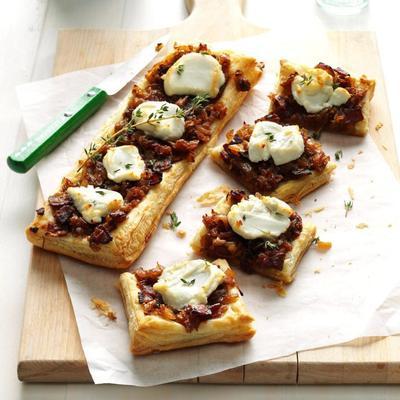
x=260, y=233
x=322, y=98
x=271, y=159
x=109, y=205
x=188, y=304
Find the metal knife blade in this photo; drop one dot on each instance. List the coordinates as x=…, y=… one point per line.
x=50, y=136
x=128, y=70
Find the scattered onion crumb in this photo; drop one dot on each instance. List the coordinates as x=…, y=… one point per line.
x=314, y=210
x=378, y=126
x=213, y=196
x=166, y=225
x=180, y=233
x=351, y=164
x=323, y=246
x=279, y=288
x=351, y=192
x=104, y=308
x=360, y=152
x=362, y=225
x=384, y=147
x=159, y=46
x=317, y=271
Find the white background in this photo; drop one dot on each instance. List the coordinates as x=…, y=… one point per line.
x=28, y=34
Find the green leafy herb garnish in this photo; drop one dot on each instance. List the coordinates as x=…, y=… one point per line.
x=116, y=170
x=199, y=101
x=306, y=80
x=174, y=223
x=138, y=113
x=270, y=136
x=338, y=155
x=269, y=245
x=348, y=205
x=188, y=283
x=127, y=166
x=94, y=152
x=315, y=240
x=100, y=192
x=179, y=69
x=335, y=86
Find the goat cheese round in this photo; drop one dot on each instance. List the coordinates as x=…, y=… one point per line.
x=123, y=163
x=260, y=217
x=194, y=74
x=94, y=203
x=282, y=143
x=313, y=89
x=165, y=122
x=188, y=282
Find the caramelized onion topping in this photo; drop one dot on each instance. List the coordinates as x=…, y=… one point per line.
x=220, y=241
x=191, y=316
x=159, y=155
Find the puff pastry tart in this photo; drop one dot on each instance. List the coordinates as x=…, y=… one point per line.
x=260, y=233
x=107, y=208
x=187, y=304
x=322, y=98
x=276, y=160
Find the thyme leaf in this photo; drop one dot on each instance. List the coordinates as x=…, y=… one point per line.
x=348, y=205
x=315, y=240
x=338, y=155
x=188, y=283
x=179, y=69
x=174, y=223
x=306, y=80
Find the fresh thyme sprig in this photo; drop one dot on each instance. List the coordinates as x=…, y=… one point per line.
x=188, y=283
x=270, y=245
x=174, y=223
x=270, y=136
x=348, y=205
x=306, y=80
x=315, y=240
x=93, y=152
x=338, y=155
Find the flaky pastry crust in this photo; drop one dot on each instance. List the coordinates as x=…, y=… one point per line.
x=292, y=259
x=152, y=333
x=289, y=191
x=359, y=128
x=131, y=236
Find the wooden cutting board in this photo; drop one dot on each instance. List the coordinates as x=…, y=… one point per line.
x=50, y=348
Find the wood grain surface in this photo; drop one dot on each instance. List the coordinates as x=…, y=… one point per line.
x=50, y=348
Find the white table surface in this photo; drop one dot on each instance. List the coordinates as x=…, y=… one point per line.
x=28, y=34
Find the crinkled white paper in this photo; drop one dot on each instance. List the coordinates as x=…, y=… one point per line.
x=350, y=291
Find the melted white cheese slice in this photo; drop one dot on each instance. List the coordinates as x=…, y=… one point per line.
x=313, y=89
x=282, y=143
x=194, y=74
x=94, y=203
x=165, y=129
x=123, y=163
x=188, y=282
x=264, y=217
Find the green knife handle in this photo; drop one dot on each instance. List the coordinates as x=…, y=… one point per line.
x=50, y=136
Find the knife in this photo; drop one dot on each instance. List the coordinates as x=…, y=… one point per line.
x=50, y=136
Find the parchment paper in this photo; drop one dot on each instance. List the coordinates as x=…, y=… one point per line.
x=350, y=291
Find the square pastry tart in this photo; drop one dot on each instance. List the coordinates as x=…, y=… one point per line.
x=322, y=98
x=262, y=234
x=108, y=206
x=191, y=303
x=273, y=159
